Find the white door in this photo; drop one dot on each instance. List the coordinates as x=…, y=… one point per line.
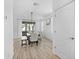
x=64, y=32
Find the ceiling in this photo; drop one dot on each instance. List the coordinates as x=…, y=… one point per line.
x=23, y=8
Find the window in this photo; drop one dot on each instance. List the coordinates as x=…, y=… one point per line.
x=28, y=26
x=31, y=27
x=23, y=27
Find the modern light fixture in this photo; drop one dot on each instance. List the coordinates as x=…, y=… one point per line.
x=34, y=4
x=32, y=12
x=31, y=15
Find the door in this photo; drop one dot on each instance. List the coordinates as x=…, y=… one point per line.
x=64, y=32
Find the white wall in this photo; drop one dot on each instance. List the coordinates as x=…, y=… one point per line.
x=15, y=26
x=63, y=30
x=48, y=29
x=8, y=29
x=38, y=26
x=19, y=29
x=58, y=3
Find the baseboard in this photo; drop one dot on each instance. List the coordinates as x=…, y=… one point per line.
x=57, y=56
x=17, y=38
x=47, y=38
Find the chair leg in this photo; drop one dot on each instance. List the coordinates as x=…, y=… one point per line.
x=28, y=42
x=21, y=42
x=37, y=43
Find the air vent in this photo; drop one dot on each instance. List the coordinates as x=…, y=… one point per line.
x=35, y=4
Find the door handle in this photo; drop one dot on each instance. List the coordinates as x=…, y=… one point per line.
x=72, y=38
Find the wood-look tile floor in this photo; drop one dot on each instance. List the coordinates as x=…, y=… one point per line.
x=42, y=51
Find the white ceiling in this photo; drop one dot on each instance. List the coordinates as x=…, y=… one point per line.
x=24, y=7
